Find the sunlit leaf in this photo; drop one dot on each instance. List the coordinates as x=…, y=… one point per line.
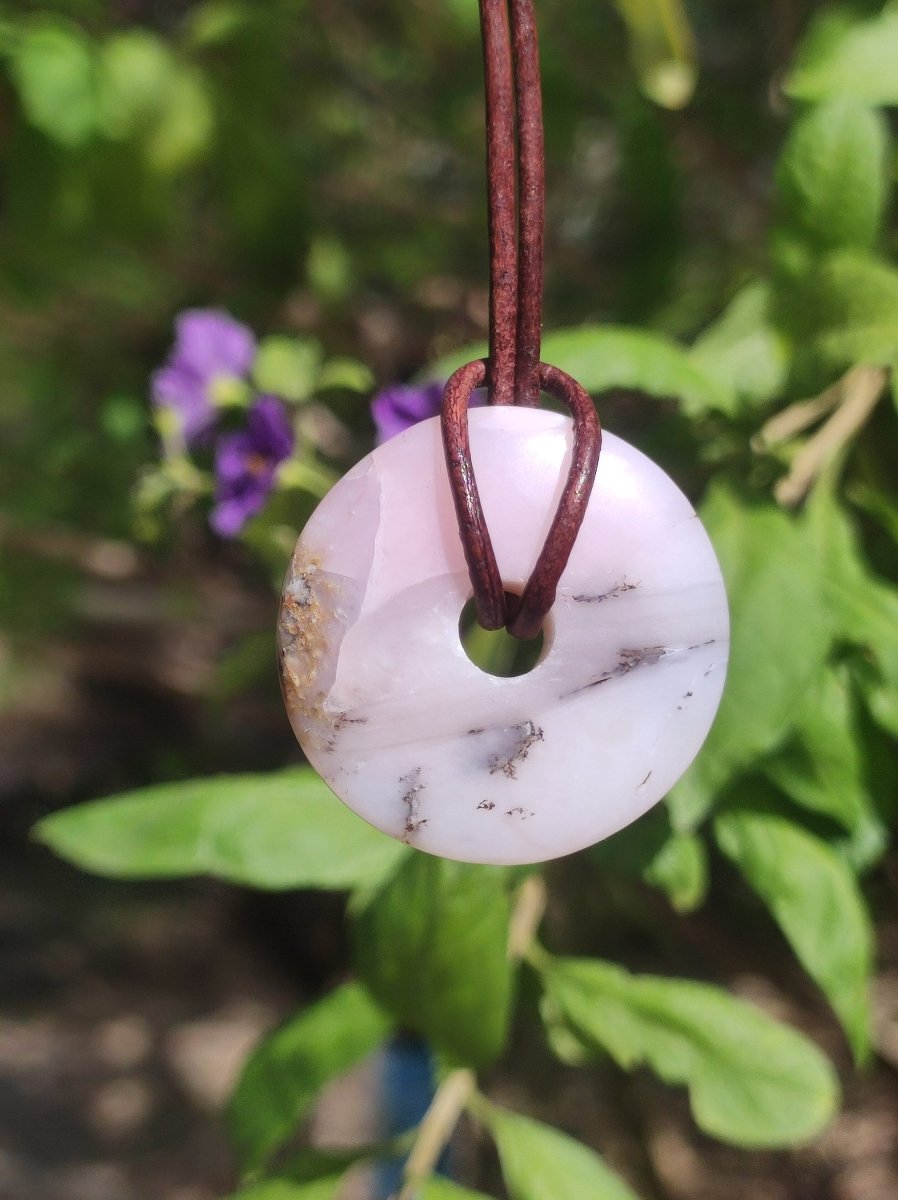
x=287, y=366
x=751, y=1080
x=843, y=310
x=662, y=48
x=542, y=1163
x=847, y=54
x=680, y=869
x=286, y=1189
x=742, y=350
x=612, y=356
x=184, y=129
x=282, y=830
x=285, y=1073
x=823, y=769
x=54, y=69
x=431, y=947
x=832, y=176
x=780, y=637
x=439, y=1188
x=135, y=70
x=814, y=897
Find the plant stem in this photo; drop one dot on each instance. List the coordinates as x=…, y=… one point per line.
x=529, y=907
x=436, y=1129
x=861, y=389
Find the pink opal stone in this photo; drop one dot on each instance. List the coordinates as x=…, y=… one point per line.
x=427, y=747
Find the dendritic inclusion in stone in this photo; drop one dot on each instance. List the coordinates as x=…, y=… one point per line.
x=427, y=747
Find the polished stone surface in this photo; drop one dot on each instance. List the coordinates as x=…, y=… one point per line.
x=423, y=744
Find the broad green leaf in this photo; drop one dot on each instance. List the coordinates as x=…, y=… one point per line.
x=286, y=1189
x=847, y=55
x=541, y=1163
x=283, y=830
x=680, y=869
x=832, y=175
x=285, y=1073
x=843, y=310
x=823, y=768
x=751, y=1080
x=863, y=609
x=742, y=350
x=815, y=899
x=438, y=1188
x=662, y=48
x=651, y=851
x=287, y=366
x=431, y=945
x=780, y=639
x=53, y=68
x=607, y=356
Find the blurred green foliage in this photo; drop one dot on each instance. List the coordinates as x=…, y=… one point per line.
x=722, y=261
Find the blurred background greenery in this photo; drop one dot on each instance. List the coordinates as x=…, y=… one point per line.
x=315, y=167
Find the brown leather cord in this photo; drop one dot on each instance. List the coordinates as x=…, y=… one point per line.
x=524, y=615
x=513, y=372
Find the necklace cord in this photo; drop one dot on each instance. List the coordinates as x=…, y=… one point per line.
x=513, y=372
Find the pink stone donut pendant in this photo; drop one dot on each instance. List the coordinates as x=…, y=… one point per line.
x=427, y=747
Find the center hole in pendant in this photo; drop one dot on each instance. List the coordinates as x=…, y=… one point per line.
x=495, y=651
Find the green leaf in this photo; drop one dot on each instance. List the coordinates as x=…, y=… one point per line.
x=743, y=351
x=286, y=1189
x=438, y=1188
x=780, y=638
x=751, y=1080
x=606, y=356
x=680, y=869
x=329, y=269
x=135, y=70
x=843, y=310
x=823, y=769
x=283, y=830
x=862, y=608
x=541, y=1163
x=54, y=72
x=815, y=899
x=662, y=48
x=183, y=132
x=431, y=945
x=344, y=374
x=832, y=175
x=845, y=55
x=216, y=22
x=287, y=366
x=281, y=1081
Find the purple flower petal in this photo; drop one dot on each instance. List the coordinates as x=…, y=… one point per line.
x=212, y=343
x=246, y=465
x=399, y=406
x=180, y=389
x=270, y=428
x=209, y=346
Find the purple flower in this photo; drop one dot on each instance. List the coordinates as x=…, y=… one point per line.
x=210, y=347
x=400, y=406
x=246, y=465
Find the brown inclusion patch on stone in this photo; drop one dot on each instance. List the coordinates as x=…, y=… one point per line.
x=304, y=627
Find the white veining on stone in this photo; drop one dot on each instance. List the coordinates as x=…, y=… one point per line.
x=422, y=743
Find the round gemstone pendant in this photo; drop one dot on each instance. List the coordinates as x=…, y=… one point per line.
x=432, y=750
